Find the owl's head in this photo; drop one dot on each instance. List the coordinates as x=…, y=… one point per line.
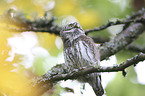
x=71, y=31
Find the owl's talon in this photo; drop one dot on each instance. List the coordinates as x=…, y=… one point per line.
x=80, y=68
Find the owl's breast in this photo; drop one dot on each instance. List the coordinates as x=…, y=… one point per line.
x=79, y=54
x=85, y=55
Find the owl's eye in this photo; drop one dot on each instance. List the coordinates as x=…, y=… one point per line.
x=70, y=25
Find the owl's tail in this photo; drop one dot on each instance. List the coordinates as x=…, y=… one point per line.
x=94, y=79
x=95, y=82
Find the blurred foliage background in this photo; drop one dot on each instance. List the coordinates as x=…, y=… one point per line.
x=26, y=55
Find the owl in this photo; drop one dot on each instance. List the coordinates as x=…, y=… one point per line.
x=80, y=52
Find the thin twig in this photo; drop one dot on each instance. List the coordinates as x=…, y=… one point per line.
x=136, y=14
x=118, y=22
x=54, y=30
x=129, y=19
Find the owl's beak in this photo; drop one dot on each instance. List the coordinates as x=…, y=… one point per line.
x=77, y=25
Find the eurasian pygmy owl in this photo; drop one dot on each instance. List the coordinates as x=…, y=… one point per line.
x=80, y=51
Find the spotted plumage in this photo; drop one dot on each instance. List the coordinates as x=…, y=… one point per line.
x=80, y=51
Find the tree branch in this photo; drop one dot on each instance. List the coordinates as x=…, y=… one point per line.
x=76, y=73
x=18, y=19
x=53, y=29
x=123, y=39
x=101, y=40
x=136, y=48
x=45, y=25
x=58, y=72
x=136, y=14
x=130, y=19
